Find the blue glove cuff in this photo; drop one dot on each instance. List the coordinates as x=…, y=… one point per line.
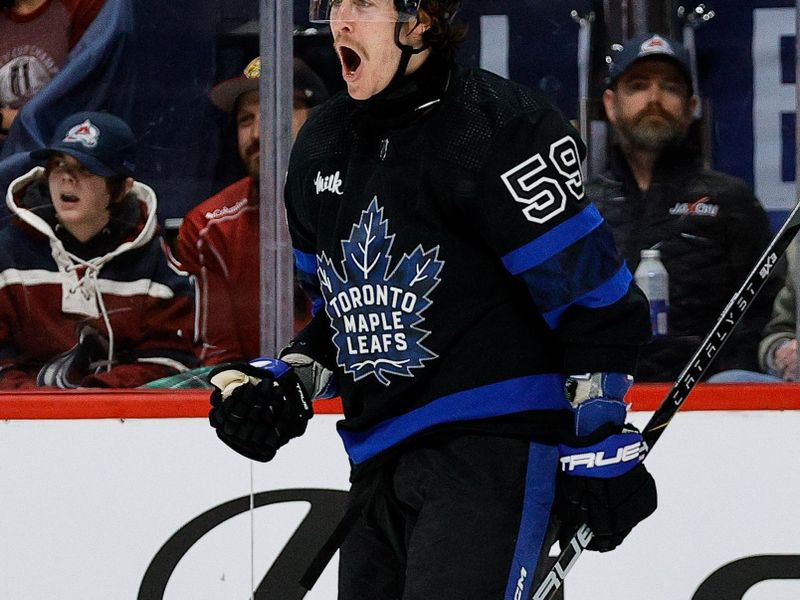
x=590, y=415
x=597, y=385
x=612, y=457
x=598, y=400
x=276, y=367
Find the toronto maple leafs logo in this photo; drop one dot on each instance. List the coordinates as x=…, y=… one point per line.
x=376, y=311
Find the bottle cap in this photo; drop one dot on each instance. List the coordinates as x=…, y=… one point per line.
x=651, y=253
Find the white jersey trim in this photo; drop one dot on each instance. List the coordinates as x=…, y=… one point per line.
x=111, y=287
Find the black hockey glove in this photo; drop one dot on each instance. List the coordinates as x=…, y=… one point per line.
x=603, y=482
x=258, y=407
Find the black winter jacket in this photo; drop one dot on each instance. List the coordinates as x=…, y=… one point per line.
x=710, y=229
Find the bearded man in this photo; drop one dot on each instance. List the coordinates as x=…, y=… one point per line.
x=656, y=193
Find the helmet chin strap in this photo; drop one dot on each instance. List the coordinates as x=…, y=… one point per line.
x=406, y=52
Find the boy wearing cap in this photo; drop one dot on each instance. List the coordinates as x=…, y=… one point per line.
x=88, y=294
x=218, y=239
x=656, y=193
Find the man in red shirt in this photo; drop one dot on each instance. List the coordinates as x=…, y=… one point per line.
x=218, y=239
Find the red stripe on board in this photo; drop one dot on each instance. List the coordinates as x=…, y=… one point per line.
x=721, y=396
x=157, y=404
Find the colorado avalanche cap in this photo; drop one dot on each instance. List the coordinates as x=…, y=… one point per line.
x=101, y=142
x=645, y=46
x=225, y=94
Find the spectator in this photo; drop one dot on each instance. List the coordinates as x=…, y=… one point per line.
x=656, y=193
x=218, y=240
x=777, y=352
x=88, y=295
x=35, y=38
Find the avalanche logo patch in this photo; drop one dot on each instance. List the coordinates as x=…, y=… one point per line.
x=375, y=309
x=85, y=133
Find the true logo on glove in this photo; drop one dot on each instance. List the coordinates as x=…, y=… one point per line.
x=598, y=460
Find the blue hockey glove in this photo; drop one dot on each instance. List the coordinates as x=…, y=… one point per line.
x=603, y=482
x=258, y=407
x=598, y=400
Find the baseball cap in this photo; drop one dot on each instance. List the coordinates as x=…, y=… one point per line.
x=101, y=142
x=306, y=81
x=645, y=46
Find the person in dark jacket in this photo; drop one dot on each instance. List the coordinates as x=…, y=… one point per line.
x=656, y=193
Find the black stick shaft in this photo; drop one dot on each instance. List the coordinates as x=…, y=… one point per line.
x=689, y=377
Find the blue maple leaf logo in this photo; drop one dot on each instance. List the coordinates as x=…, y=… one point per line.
x=376, y=311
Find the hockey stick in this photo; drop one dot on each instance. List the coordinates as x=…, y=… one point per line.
x=688, y=378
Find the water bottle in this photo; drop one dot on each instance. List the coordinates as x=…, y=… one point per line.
x=652, y=278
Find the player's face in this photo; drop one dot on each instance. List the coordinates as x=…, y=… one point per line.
x=80, y=197
x=651, y=105
x=248, y=127
x=366, y=47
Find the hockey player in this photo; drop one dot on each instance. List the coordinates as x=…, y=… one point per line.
x=471, y=310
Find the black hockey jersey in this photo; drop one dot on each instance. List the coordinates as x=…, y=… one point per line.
x=458, y=272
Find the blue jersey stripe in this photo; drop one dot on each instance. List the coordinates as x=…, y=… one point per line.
x=574, y=272
x=540, y=482
x=305, y=262
x=535, y=392
x=553, y=242
x=609, y=292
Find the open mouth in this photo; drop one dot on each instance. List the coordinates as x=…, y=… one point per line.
x=69, y=198
x=351, y=61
